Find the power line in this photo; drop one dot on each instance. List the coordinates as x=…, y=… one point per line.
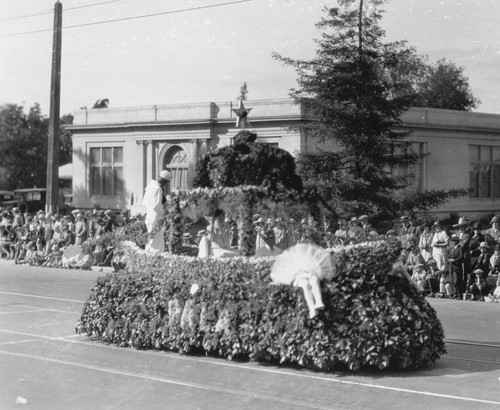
x=131, y=18
x=51, y=10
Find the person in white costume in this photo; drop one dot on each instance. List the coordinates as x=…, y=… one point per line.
x=304, y=265
x=153, y=201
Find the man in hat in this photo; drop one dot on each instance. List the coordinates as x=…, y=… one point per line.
x=439, y=246
x=465, y=235
x=153, y=201
x=456, y=258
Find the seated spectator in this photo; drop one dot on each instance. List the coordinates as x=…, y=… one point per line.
x=482, y=262
x=446, y=286
x=478, y=289
x=420, y=275
x=67, y=237
x=495, y=262
x=413, y=258
x=82, y=261
x=28, y=255
x=492, y=235
x=496, y=292
x=54, y=258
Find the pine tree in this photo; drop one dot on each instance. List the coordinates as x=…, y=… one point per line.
x=355, y=103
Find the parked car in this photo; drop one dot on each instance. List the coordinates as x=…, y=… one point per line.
x=8, y=199
x=31, y=199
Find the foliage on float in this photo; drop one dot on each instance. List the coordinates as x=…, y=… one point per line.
x=229, y=308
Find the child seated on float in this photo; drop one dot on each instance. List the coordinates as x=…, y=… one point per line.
x=479, y=288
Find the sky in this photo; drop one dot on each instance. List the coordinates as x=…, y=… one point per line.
x=204, y=50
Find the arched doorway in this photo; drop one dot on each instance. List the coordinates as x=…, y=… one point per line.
x=176, y=162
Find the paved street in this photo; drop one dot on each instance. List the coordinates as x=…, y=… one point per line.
x=46, y=363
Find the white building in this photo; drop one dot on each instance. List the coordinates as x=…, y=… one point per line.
x=116, y=151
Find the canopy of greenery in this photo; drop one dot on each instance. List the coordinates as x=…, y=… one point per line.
x=247, y=162
x=355, y=90
x=445, y=86
x=23, y=146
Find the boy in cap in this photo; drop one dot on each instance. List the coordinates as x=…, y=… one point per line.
x=446, y=286
x=478, y=289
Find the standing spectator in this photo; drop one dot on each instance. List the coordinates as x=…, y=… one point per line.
x=465, y=235
x=91, y=224
x=80, y=228
x=456, y=258
x=492, y=235
x=110, y=220
x=439, y=246
x=425, y=242
x=18, y=218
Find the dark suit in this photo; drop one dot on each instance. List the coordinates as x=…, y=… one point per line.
x=456, y=259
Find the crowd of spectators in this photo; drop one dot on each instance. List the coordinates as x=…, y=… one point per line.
x=41, y=239
x=460, y=262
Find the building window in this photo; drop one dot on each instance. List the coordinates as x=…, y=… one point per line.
x=176, y=162
x=106, y=171
x=411, y=176
x=484, y=171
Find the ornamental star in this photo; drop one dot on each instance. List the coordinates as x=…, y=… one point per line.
x=242, y=114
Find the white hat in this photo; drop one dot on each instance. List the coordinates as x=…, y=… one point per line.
x=167, y=176
x=462, y=221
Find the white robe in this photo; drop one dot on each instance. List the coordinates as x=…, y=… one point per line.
x=153, y=201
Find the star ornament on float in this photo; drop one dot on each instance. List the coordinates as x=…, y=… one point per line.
x=242, y=115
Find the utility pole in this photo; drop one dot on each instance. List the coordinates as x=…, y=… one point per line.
x=54, y=115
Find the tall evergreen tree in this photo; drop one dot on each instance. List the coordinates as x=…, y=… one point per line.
x=355, y=103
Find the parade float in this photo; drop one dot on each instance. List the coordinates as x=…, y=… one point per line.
x=371, y=315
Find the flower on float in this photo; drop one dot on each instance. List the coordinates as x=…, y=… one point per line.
x=194, y=288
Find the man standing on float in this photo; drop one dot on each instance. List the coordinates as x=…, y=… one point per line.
x=154, y=199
